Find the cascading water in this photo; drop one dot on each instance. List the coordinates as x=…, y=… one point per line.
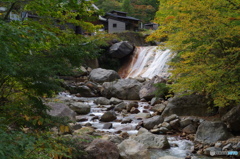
x=147, y=62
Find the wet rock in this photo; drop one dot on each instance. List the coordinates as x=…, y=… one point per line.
x=151, y=122
x=170, y=118
x=232, y=118
x=130, y=105
x=75, y=126
x=82, y=90
x=61, y=110
x=211, y=132
x=115, y=101
x=175, y=124
x=102, y=149
x=95, y=118
x=123, y=89
x=190, y=129
x=147, y=91
x=155, y=131
x=166, y=125
x=84, y=131
x=227, y=147
x=185, y=122
x=131, y=149
x=108, y=116
x=152, y=141
x=158, y=108
x=80, y=108
x=81, y=119
x=156, y=100
x=134, y=110
x=126, y=120
x=102, y=101
x=100, y=75
x=190, y=105
x=163, y=130
x=121, y=49
x=120, y=107
x=107, y=126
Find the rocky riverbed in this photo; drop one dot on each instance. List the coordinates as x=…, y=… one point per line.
x=133, y=123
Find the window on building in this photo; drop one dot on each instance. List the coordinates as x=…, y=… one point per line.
x=114, y=25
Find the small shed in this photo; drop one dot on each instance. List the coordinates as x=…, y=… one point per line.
x=151, y=26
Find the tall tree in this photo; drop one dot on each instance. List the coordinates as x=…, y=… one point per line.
x=205, y=33
x=127, y=6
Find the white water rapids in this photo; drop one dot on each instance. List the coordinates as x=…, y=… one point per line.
x=147, y=62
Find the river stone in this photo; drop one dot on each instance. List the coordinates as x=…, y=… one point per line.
x=212, y=131
x=143, y=115
x=232, y=118
x=147, y=91
x=152, y=141
x=189, y=105
x=115, y=101
x=120, y=107
x=107, y=126
x=127, y=89
x=156, y=100
x=131, y=149
x=102, y=149
x=121, y=49
x=80, y=108
x=151, y=122
x=100, y=75
x=130, y=105
x=83, y=90
x=158, y=108
x=102, y=101
x=61, y=110
x=190, y=129
x=108, y=116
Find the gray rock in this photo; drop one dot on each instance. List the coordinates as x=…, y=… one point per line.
x=61, y=110
x=158, y=108
x=211, y=132
x=123, y=89
x=108, y=116
x=120, y=107
x=130, y=105
x=147, y=91
x=143, y=115
x=102, y=101
x=134, y=110
x=131, y=149
x=194, y=105
x=151, y=122
x=190, y=129
x=171, y=117
x=166, y=125
x=126, y=120
x=107, y=126
x=83, y=90
x=121, y=49
x=156, y=100
x=175, y=124
x=100, y=75
x=115, y=101
x=102, y=149
x=232, y=118
x=185, y=122
x=80, y=108
x=152, y=141
x=227, y=147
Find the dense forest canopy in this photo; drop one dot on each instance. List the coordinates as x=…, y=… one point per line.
x=205, y=33
x=142, y=9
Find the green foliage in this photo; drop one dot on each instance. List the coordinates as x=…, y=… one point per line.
x=162, y=90
x=206, y=33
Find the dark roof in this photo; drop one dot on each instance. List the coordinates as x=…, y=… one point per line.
x=118, y=12
x=149, y=24
x=122, y=17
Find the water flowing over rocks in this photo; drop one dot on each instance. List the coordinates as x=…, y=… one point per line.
x=100, y=75
x=189, y=105
x=121, y=49
x=127, y=89
x=211, y=132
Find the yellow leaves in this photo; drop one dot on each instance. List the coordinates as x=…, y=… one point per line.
x=64, y=129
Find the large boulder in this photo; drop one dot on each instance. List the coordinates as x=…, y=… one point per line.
x=232, y=118
x=100, y=75
x=102, y=149
x=61, y=110
x=82, y=90
x=127, y=89
x=189, y=105
x=152, y=141
x=108, y=116
x=148, y=90
x=121, y=49
x=151, y=122
x=131, y=149
x=212, y=131
x=80, y=108
x=102, y=101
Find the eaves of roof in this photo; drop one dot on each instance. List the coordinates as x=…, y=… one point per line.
x=123, y=17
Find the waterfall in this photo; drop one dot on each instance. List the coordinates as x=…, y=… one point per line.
x=147, y=62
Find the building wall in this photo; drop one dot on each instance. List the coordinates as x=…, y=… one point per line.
x=115, y=26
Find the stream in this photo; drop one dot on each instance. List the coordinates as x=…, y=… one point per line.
x=180, y=148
